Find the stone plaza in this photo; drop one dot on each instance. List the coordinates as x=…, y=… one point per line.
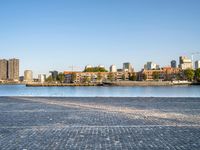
x=94, y=123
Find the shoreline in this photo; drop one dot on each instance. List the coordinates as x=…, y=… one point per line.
x=118, y=83
x=115, y=83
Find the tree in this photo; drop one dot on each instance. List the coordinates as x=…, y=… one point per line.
x=61, y=77
x=86, y=79
x=99, y=76
x=95, y=69
x=132, y=77
x=123, y=77
x=189, y=74
x=197, y=74
x=155, y=75
x=144, y=77
x=73, y=79
x=49, y=79
x=111, y=76
x=180, y=76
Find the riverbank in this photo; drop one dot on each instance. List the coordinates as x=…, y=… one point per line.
x=62, y=84
x=147, y=83
x=115, y=83
x=99, y=123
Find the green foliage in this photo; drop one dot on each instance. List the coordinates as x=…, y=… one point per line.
x=73, y=77
x=111, y=76
x=123, y=77
x=197, y=74
x=144, y=77
x=99, y=77
x=132, y=77
x=155, y=75
x=86, y=79
x=61, y=77
x=189, y=74
x=49, y=79
x=95, y=69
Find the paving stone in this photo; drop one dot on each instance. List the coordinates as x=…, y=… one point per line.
x=99, y=123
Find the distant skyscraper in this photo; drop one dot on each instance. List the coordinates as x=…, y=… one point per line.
x=185, y=63
x=41, y=78
x=127, y=67
x=54, y=75
x=28, y=76
x=113, y=68
x=3, y=69
x=173, y=64
x=151, y=66
x=13, y=69
x=197, y=64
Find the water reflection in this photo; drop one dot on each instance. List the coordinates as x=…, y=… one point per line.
x=161, y=91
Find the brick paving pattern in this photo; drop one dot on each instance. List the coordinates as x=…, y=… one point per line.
x=99, y=123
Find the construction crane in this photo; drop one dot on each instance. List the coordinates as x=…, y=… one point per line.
x=74, y=67
x=193, y=54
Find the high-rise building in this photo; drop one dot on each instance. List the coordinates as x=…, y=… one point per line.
x=41, y=78
x=113, y=68
x=151, y=66
x=127, y=67
x=54, y=74
x=13, y=69
x=185, y=63
x=173, y=64
x=28, y=76
x=3, y=69
x=197, y=64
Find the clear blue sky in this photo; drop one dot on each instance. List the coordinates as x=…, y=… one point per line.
x=54, y=34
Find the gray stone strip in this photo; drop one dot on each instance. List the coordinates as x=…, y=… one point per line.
x=126, y=126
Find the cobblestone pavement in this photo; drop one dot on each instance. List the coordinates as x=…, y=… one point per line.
x=99, y=123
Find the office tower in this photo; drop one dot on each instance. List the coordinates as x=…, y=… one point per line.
x=13, y=69
x=113, y=68
x=127, y=67
x=3, y=69
x=41, y=78
x=28, y=76
x=173, y=64
x=151, y=66
x=54, y=75
x=197, y=64
x=185, y=63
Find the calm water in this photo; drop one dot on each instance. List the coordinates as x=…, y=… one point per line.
x=167, y=91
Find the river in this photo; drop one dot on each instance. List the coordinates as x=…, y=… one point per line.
x=101, y=91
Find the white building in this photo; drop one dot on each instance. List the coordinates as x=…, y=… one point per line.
x=197, y=64
x=101, y=66
x=185, y=63
x=127, y=67
x=113, y=68
x=28, y=76
x=41, y=78
x=88, y=66
x=151, y=66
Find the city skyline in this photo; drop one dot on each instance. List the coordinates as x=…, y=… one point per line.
x=107, y=67
x=48, y=35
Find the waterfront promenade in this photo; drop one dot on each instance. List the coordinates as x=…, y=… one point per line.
x=99, y=123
